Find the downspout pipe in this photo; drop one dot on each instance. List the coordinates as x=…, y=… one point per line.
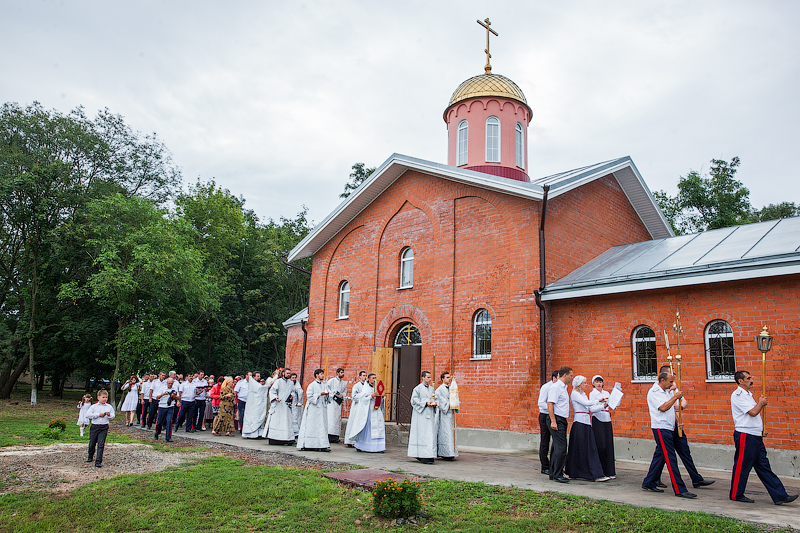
x=303, y=361
x=288, y=264
x=538, y=293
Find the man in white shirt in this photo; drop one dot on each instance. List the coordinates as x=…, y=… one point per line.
x=166, y=397
x=544, y=424
x=661, y=400
x=241, y=389
x=147, y=384
x=187, y=410
x=558, y=412
x=99, y=413
x=154, y=386
x=749, y=441
x=201, y=385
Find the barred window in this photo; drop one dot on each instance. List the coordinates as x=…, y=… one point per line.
x=344, y=300
x=482, y=335
x=645, y=362
x=720, y=353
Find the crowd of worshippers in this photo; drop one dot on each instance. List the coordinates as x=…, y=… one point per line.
x=589, y=455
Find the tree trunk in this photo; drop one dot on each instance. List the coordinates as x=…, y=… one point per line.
x=5, y=370
x=113, y=387
x=55, y=381
x=87, y=387
x=40, y=381
x=31, y=330
x=9, y=386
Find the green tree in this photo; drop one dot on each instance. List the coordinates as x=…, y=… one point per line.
x=357, y=177
x=774, y=212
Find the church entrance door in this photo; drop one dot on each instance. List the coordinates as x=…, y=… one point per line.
x=407, y=367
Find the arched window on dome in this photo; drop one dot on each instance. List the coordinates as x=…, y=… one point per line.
x=462, y=143
x=492, y=140
x=520, y=142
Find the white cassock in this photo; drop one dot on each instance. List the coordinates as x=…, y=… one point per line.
x=314, y=427
x=354, y=394
x=368, y=431
x=297, y=407
x=445, y=441
x=422, y=437
x=280, y=422
x=335, y=409
x=256, y=413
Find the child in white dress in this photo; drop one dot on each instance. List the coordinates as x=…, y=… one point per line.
x=86, y=403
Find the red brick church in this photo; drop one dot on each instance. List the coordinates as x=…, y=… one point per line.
x=503, y=277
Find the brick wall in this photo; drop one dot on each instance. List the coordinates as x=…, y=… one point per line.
x=593, y=335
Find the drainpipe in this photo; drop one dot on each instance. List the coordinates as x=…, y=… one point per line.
x=538, y=293
x=303, y=362
x=288, y=264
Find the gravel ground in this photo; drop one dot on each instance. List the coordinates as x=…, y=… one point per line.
x=61, y=467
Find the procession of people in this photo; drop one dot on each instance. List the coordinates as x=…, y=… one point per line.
x=277, y=410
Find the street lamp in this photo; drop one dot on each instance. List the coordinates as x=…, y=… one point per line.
x=764, y=343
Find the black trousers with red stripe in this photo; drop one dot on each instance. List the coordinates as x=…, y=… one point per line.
x=751, y=453
x=664, y=454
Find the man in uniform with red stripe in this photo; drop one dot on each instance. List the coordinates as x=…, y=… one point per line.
x=750, y=450
x=661, y=403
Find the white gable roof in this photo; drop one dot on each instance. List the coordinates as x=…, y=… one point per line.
x=384, y=176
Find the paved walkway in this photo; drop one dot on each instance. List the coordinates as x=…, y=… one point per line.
x=521, y=469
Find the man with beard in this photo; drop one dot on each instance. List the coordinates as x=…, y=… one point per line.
x=354, y=394
x=314, y=427
x=368, y=431
x=280, y=422
x=337, y=386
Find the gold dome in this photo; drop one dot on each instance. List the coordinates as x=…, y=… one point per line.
x=488, y=85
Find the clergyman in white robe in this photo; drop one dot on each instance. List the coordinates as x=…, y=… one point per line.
x=336, y=384
x=297, y=405
x=446, y=442
x=280, y=429
x=256, y=413
x=368, y=430
x=354, y=395
x=314, y=426
x=422, y=437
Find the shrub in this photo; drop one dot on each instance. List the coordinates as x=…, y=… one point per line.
x=51, y=433
x=58, y=423
x=391, y=499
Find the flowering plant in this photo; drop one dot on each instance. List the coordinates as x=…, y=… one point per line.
x=391, y=499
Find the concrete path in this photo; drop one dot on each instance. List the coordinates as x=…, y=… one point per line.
x=521, y=469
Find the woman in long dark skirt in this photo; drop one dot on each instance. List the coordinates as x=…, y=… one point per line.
x=583, y=462
x=603, y=432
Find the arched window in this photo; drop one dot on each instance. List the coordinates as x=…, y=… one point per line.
x=407, y=268
x=493, y=139
x=462, y=145
x=520, y=142
x=720, y=354
x=482, y=335
x=645, y=363
x=344, y=300
x=408, y=335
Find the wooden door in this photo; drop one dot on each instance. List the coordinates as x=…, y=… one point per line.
x=382, y=362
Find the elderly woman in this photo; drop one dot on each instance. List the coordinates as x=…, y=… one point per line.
x=224, y=420
x=583, y=460
x=601, y=427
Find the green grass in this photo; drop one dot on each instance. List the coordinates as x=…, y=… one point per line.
x=22, y=424
x=221, y=495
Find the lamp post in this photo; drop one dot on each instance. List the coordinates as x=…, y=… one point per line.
x=764, y=343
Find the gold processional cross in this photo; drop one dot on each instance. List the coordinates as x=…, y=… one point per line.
x=485, y=23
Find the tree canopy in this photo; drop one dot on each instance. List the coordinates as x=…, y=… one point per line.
x=357, y=177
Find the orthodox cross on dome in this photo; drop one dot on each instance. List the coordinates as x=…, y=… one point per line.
x=485, y=23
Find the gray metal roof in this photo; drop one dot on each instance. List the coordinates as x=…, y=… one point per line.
x=741, y=252
x=295, y=319
x=622, y=168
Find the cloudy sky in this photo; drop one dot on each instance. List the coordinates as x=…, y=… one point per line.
x=276, y=100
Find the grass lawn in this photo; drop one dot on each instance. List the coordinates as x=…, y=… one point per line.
x=220, y=494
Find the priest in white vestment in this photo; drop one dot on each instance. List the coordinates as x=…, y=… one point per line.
x=362, y=377
x=297, y=404
x=422, y=437
x=314, y=427
x=280, y=426
x=446, y=442
x=255, y=415
x=368, y=430
x=338, y=389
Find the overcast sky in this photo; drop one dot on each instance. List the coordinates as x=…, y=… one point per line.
x=276, y=100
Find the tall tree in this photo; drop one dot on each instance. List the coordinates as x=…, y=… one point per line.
x=357, y=177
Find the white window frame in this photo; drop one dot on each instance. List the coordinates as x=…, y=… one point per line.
x=636, y=353
x=407, y=268
x=344, y=299
x=492, y=139
x=709, y=340
x=481, y=319
x=520, y=145
x=462, y=143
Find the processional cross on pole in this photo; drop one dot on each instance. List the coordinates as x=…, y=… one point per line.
x=485, y=23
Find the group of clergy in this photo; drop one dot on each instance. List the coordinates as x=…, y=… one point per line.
x=433, y=422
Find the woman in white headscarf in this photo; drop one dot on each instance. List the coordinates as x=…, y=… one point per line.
x=583, y=460
x=601, y=427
